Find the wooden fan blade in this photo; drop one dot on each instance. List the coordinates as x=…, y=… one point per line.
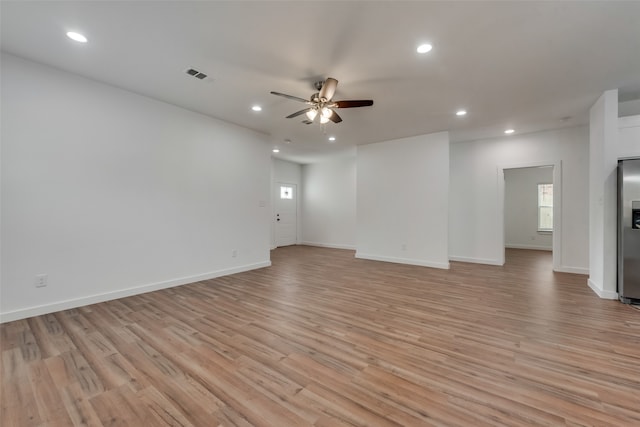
x=295, y=98
x=328, y=88
x=335, y=118
x=354, y=103
x=297, y=113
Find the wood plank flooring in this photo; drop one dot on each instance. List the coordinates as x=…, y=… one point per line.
x=324, y=339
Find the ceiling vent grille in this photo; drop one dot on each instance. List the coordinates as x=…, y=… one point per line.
x=197, y=74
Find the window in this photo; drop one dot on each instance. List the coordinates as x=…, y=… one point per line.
x=286, y=192
x=545, y=207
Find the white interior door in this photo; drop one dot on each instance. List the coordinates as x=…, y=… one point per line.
x=286, y=214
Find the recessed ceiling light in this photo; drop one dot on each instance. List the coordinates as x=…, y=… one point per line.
x=424, y=48
x=332, y=138
x=76, y=37
x=256, y=108
x=509, y=131
x=275, y=150
x=461, y=113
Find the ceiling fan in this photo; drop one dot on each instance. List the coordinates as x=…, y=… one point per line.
x=321, y=103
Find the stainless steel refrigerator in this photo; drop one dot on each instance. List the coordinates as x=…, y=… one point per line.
x=629, y=230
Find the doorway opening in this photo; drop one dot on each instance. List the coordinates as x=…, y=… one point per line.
x=531, y=211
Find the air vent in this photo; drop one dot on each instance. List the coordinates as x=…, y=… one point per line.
x=197, y=74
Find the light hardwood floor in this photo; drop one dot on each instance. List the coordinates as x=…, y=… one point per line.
x=323, y=339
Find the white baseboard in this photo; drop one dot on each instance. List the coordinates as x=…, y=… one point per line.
x=530, y=247
x=600, y=292
x=475, y=260
x=574, y=270
x=23, y=313
x=443, y=265
x=329, y=245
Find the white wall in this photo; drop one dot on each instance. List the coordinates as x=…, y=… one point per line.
x=521, y=208
x=285, y=172
x=475, y=224
x=603, y=163
x=111, y=194
x=629, y=108
x=329, y=202
x=402, y=200
x=628, y=137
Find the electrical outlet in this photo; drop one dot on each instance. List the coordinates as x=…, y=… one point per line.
x=40, y=281
x=234, y=253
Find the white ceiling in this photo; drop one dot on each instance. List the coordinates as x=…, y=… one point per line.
x=526, y=65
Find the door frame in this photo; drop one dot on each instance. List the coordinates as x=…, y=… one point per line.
x=557, y=208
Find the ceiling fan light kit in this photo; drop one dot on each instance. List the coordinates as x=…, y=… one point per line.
x=311, y=114
x=321, y=104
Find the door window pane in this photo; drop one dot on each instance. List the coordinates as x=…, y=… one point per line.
x=286, y=192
